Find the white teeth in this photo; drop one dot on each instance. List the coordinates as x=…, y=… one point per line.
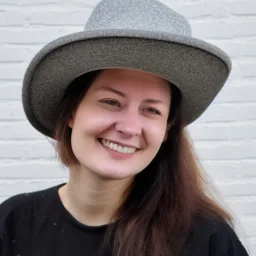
x=118, y=148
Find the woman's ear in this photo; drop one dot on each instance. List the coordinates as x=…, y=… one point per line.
x=166, y=132
x=72, y=118
x=71, y=122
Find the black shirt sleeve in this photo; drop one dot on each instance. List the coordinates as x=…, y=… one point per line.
x=212, y=237
x=1, y=247
x=6, y=210
x=225, y=242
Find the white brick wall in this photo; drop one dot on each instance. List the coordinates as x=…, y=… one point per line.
x=224, y=137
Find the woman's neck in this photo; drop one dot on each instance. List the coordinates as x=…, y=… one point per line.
x=92, y=200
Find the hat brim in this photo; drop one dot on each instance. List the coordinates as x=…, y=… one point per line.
x=197, y=68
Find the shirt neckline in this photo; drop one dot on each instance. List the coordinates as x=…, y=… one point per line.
x=71, y=219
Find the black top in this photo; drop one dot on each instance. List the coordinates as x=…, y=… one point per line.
x=38, y=224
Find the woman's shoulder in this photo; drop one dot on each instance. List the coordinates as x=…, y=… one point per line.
x=20, y=213
x=213, y=236
x=14, y=203
x=20, y=202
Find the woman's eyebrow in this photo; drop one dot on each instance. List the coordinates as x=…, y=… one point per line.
x=110, y=89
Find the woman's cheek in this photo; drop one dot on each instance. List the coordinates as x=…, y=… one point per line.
x=157, y=127
x=95, y=124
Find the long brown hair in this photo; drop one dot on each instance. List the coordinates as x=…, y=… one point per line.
x=164, y=199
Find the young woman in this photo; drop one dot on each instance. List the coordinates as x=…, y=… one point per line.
x=117, y=98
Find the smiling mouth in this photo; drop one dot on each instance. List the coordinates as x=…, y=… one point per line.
x=116, y=147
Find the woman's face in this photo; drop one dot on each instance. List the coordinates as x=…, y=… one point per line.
x=120, y=123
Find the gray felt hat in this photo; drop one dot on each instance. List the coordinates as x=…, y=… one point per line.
x=137, y=34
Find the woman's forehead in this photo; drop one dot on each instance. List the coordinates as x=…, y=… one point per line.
x=128, y=79
x=132, y=74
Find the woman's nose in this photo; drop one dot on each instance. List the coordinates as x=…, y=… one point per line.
x=129, y=123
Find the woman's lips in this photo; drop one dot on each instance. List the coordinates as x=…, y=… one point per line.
x=120, y=143
x=116, y=154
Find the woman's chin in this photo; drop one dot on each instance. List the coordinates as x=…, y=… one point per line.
x=112, y=175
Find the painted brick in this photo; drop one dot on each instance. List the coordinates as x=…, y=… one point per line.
x=243, y=206
x=242, y=7
x=237, y=48
x=26, y=150
x=12, y=54
x=80, y=3
x=245, y=92
x=28, y=2
x=201, y=10
x=238, y=188
x=230, y=170
x=229, y=113
x=10, y=91
x=29, y=170
x=224, y=29
x=39, y=35
x=248, y=68
x=226, y=150
x=11, y=110
x=78, y=17
x=7, y=71
x=11, y=19
x=18, y=130
x=24, y=186
x=249, y=224
x=220, y=131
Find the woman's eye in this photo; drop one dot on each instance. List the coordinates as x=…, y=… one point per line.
x=154, y=111
x=111, y=102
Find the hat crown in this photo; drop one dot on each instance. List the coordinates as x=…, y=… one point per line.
x=150, y=15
